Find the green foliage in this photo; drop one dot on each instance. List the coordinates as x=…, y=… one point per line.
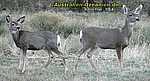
x=146, y=34
x=148, y=11
x=19, y=5
x=2, y=30
x=44, y=21
x=67, y=30
x=2, y=21
x=138, y=37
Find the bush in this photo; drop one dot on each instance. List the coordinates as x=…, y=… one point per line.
x=66, y=30
x=148, y=11
x=2, y=21
x=2, y=30
x=138, y=37
x=2, y=18
x=146, y=34
x=44, y=21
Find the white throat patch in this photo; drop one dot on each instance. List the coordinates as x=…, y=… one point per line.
x=131, y=24
x=58, y=41
x=81, y=34
x=13, y=32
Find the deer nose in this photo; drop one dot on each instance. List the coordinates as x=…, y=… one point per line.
x=137, y=19
x=58, y=44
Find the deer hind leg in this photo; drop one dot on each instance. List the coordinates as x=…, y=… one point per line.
x=49, y=58
x=120, y=55
x=89, y=56
x=81, y=52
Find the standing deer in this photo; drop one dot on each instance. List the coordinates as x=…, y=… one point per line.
x=104, y=38
x=26, y=40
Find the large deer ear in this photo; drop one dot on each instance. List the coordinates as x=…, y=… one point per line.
x=138, y=9
x=125, y=9
x=21, y=19
x=8, y=18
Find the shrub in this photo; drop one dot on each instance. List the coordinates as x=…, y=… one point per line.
x=66, y=30
x=2, y=30
x=137, y=37
x=2, y=18
x=2, y=21
x=140, y=36
x=146, y=34
x=44, y=21
x=148, y=11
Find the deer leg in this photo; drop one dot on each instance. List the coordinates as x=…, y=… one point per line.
x=22, y=61
x=81, y=52
x=49, y=58
x=122, y=53
x=63, y=58
x=89, y=55
x=60, y=54
x=119, y=54
x=122, y=57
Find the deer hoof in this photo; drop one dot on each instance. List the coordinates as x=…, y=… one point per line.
x=89, y=56
x=20, y=71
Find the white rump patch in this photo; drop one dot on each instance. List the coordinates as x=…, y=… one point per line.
x=81, y=34
x=58, y=40
x=132, y=24
x=13, y=32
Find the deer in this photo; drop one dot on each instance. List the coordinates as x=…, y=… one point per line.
x=26, y=40
x=92, y=38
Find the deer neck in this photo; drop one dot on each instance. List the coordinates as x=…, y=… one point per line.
x=16, y=37
x=127, y=29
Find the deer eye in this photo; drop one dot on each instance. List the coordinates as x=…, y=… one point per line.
x=13, y=24
x=130, y=14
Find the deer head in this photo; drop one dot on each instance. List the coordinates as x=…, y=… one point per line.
x=132, y=15
x=14, y=26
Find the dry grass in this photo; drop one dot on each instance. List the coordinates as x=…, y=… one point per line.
x=136, y=67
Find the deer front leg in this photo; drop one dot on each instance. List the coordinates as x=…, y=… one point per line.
x=22, y=62
x=89, y=56
x=60, y=54
x=20, y=58
x=49, y=58
x=81, y=52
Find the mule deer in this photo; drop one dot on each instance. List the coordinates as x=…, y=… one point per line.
x=105, y=38
x=26, y=40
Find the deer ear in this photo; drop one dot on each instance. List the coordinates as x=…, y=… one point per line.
x=138, y=9
x=8, y=18
x=125, y=9
x=21, y=19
